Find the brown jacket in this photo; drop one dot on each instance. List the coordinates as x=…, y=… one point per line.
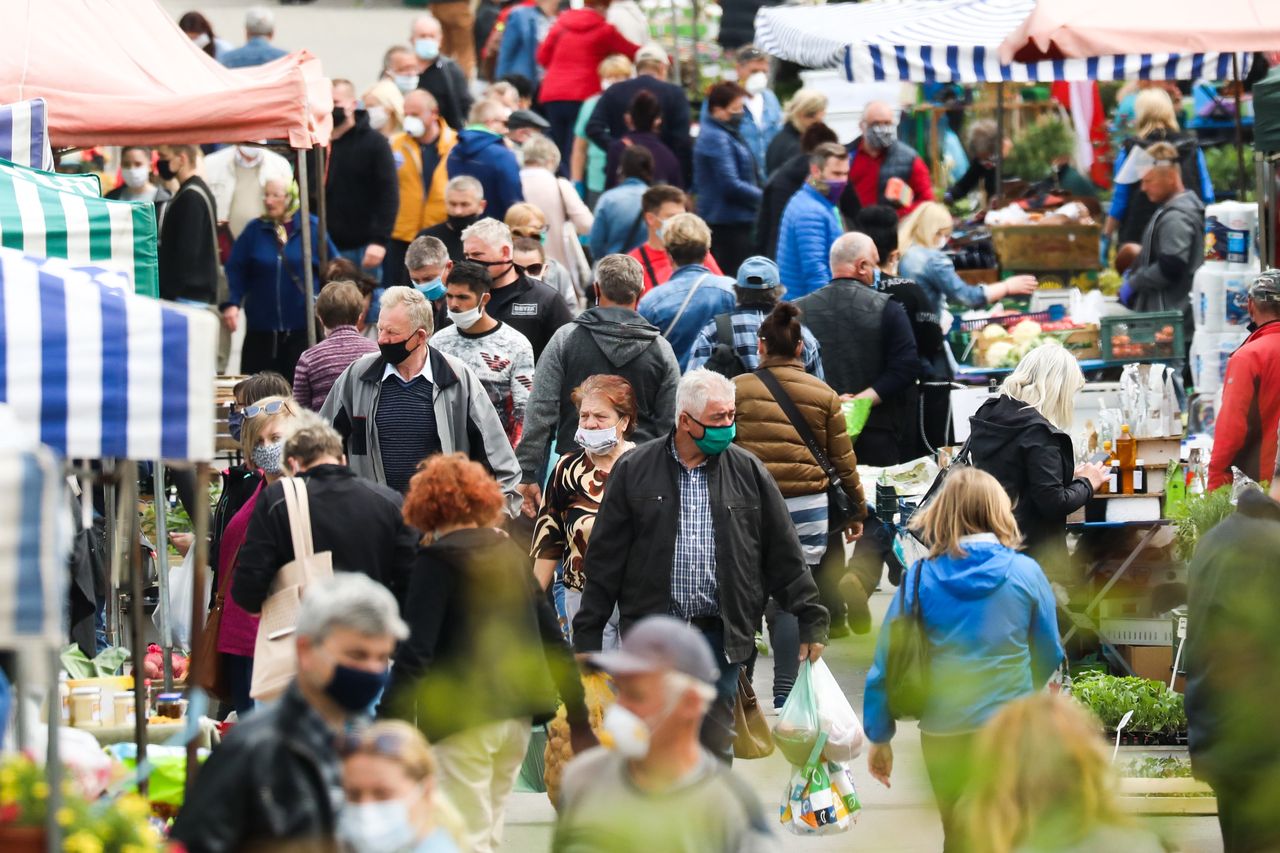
x=766, y=431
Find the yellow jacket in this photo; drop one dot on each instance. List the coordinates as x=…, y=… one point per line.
x=418, y=211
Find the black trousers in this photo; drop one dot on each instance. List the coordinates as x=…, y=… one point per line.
x=562, y=116
x=278, y=351
x=393, y=270
x=731, y=244
x=717, y=727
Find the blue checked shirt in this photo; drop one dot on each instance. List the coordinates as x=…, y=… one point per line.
x=694, y=589
x=746, y=327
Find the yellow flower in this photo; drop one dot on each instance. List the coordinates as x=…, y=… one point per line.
x=8, y=776
x=134, y=807
x=8, y=795
x=65, y=816
x=41, y=790
x=81, y=842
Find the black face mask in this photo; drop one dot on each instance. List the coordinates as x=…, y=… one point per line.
x=164, y=170
x=339, y=116
x=396, y=352
x=457, y=223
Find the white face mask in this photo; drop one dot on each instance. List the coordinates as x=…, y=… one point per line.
x=466, y=319
x=942, y=242
x=406, y=83
x=598, y=441
x=201, y=41
x=377, y=117
x=756, y=83
x=631, y=735
x=248, y=158
x=135, y=177
x=377, y=827
x=414, y=126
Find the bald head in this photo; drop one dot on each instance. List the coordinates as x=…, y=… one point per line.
x=877, y=112
x=426, y=27
x=854, y=255
x=419, y=101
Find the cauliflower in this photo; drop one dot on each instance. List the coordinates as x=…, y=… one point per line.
x=998, y=353
x=1027, y=330
x=994, y=331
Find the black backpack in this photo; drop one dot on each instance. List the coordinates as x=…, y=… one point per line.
x=724, y=357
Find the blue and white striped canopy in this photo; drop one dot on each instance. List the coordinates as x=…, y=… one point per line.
x=34, y=532
x=94, y=371
x=949, y=41
x=24, y=134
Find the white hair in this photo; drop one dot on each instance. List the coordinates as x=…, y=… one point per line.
x=489, y=231
x=540, y=151
x=850, y=248
x=1047, y=380
x=259, y=21
x=419, y=309
x=350, y=600
x=699, y=388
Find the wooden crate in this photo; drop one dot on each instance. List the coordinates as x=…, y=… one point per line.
x=1166, y=796
x=1047, y=247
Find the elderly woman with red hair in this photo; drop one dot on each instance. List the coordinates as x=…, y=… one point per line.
x=485, y=656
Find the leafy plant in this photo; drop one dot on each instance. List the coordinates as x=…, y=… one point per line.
x=1037, y=147
x=1159, y=767
x=1197, y=515
x=1224, y=170
x=1156, y=709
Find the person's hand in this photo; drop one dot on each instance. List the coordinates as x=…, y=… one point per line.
x=231, y=317
x=880, y=763
x=181, y=541
x=1020, y=285
x=373, y=255
x=1095, y=472
x=853, y=532
x=532, y=494
x=811, y=651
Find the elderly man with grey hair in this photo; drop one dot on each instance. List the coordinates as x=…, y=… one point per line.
x=464, y=204
x=275, y=782
x=259, y=29
x=694, y=526
x=427, y=263
x=395, y=407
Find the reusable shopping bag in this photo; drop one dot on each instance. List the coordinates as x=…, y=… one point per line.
x=821, y=798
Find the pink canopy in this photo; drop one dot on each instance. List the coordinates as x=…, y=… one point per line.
x=121, y=72
x=1076, y=29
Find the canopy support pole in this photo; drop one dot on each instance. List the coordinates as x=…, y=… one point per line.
x=111, y=495
x=304, y=196
x=137, y=615
x=53, y=761
x=162, y=573
x=1241, y=182
x=999, y=143
x=322, y=207
x=675, y=46
x=199, y=609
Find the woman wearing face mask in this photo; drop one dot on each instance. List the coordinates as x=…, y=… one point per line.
x=485, y=656
x=262, y=441
x=606, y=419
x=393, y=803
x=384, y=103
x=265, y=273
x=922, y=239
x=137, y=177
x=528, y=223
x=726, y=179
x=200, y=31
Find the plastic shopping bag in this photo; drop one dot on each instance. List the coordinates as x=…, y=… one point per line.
x=821, y=798
x=798, y=726
x=180, y=601
x=836, y=716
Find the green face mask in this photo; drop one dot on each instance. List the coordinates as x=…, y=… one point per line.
x=714, y=438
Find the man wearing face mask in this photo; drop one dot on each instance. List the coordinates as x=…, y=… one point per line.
x=420, y=153
x=658, y=788
x=694, y=526
x=500, y=356
x=811, y=222
x=445, y=79
x=427, y=263
x=188, y=253
x=464, y=205
x=408, y=401
x=236, y=175
x=882, y=168
x=275, y=781
x=763, y=117
x=659, y=204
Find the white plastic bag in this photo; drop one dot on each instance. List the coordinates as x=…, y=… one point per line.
x=180, y=601
x=836, y=717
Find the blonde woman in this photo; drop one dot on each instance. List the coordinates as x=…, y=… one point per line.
x=806, y=108
x=1154, y=121
x=1022, y=439
x=1045, y=783
x=528, y=222
x=990, y=624
x=921, y=238
x=385, y=105
x=393, y=801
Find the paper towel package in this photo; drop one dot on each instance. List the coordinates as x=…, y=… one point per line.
x=1209, y=354
x=1219, y=297
x=1231, y=233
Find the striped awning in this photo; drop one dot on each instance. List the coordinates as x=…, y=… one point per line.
x=949, y=41
x=94, y=371
x=24, y=134
x=34, y=532
x=64, y=216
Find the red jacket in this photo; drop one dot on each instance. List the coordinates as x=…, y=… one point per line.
x=1245, y=434
x=573, y=50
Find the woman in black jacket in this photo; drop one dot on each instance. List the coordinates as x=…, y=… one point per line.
x=1020, y=438
x=485, y=655
x=783, y=184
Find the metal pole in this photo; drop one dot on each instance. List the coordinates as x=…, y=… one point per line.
x=162, y=573
x=1264, y=229
x=18, y=690
x=1241, y=182
x=675, y=45
x=999, y=143
x=199, y=541
x=137, y=614
x=304, y=196
x=111, y=566
x=53, y=761
x=322, y=205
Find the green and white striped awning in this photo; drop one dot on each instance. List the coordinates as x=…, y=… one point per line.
x=64, y=216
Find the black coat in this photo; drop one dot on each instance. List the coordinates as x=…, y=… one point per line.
x=634, y=538
x=784, y=145
x=608, y=120
x=1034, y=461
x=362, y=191
x=484, y=644
x=356, y=519
x=447, y=83
x=531, y=307
x=265, y=787
x=187, y=256
x=782, y=185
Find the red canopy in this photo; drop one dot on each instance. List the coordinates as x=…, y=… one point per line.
x=1078, y=29
x=121, y=72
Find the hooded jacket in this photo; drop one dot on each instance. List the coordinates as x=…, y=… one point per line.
x=483, y=155
x=573, y=50
x=1172, y=251
x=992, y=629
x=783, y=183
x=604, y=339
x=1249, y=414
x=1034, y=462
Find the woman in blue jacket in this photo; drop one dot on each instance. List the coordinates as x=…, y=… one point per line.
x=265, y=275
x=990, y=621
x=725, y=178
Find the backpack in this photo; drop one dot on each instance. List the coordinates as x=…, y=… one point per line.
x=724, y=357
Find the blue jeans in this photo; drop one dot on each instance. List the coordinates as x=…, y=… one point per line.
x=356, y=256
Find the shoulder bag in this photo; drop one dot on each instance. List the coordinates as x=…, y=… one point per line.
x=840, y=508
x=208, y=672
x=751, y=738
x=275, y=659
x=574, y=255
x=963, y=459
x=907, y=665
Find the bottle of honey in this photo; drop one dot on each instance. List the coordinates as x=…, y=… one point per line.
x=1105, y=488
x=1127, y=455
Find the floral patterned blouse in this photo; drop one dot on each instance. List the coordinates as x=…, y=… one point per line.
x=568, y=513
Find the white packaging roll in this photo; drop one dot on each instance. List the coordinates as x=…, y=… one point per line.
x=1209, y=354
x=1231, y=233
x=1219, y=297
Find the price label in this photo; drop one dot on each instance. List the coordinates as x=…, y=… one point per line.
x=1182, y=627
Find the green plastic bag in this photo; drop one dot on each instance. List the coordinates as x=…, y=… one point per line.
x=106, y=664
x=167, y=769
x=534, y=770
x=799, y=727
x=856, y=413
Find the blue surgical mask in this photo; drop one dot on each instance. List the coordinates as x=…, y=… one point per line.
x=433, y=289
x=377, y=827
x=427, y=49
x=406, y=83
x=235, y=420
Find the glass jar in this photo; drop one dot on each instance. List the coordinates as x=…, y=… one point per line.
x=86, y=707
x=125, y=707
x=170, y=705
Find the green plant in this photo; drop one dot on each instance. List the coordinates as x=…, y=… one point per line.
x=1196, y=516
x=1037, y=147
x=1224, y=169
x=1159, y=767
x=1156, y=709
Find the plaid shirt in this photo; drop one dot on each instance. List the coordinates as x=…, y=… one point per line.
x=746, y=328
x=694, y=589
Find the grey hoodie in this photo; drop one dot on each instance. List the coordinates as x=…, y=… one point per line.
x=1172, y=251
x=601, y=340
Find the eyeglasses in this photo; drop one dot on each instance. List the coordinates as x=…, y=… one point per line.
x=269, y=409
x=534, y=270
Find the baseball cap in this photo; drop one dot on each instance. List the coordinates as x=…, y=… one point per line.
x=1266, y=287
x=658, y=644
x=758, y=273
x=527, y=118
x=653, y=52
x=749, y=53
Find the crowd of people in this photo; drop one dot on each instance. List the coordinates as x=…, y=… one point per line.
x=579, y=400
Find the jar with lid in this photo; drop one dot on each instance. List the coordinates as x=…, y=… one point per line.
x=170, y=705
x=86, y=707
x=125, y=705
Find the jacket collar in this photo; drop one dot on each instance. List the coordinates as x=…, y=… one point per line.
x=1271, y=327
x=442, y=374
x=781, y=361
x=328, y=472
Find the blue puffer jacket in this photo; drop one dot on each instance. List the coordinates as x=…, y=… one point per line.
x=267, y=283
x=757, y=136
x=724, y=176
x=992, y=626
x=810, y=224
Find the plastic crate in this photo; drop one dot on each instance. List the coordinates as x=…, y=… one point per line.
x=1053, y=313
x=1137, y=631
x=1135, y=337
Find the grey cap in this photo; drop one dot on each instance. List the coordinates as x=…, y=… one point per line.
x=526, y=118
x=1266, y=287
x=660, y=644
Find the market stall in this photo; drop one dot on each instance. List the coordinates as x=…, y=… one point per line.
x=24, y=134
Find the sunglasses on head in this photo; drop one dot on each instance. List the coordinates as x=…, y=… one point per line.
x=268, y=409
x=386, y=745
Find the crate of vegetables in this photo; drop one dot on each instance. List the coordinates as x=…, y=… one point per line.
x=1143, y=336
x=998, y=345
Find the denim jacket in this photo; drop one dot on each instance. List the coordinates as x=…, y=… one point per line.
x=659, y=306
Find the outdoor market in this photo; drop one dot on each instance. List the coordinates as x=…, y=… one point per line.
x=910, y=366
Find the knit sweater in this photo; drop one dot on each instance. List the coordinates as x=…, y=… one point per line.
x=406, y=428
x=321, y=365
x=502, y=360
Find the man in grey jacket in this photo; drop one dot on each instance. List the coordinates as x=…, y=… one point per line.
x=395, y=407
x=611, y=338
